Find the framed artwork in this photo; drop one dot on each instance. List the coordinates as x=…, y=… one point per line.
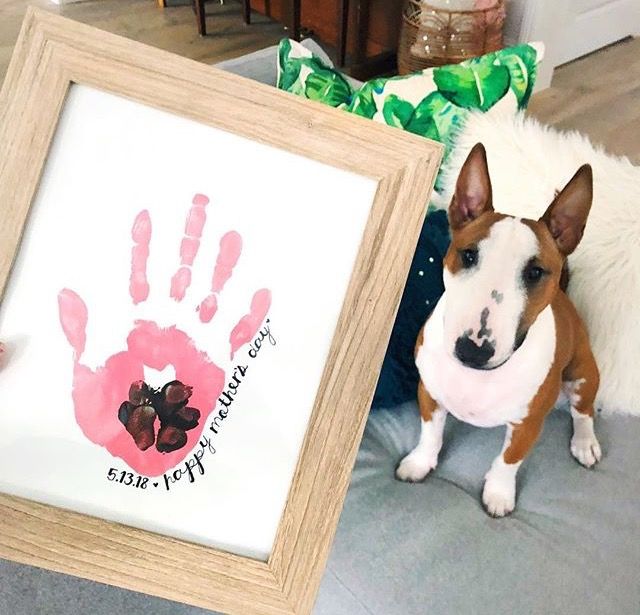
x=199, y=276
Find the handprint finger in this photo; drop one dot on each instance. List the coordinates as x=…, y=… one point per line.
x=73, y=318
x=189, y=247
x=249, y=324
x=141, y=235
x=230, y=249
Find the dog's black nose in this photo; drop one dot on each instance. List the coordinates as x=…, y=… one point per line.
x=471, y=354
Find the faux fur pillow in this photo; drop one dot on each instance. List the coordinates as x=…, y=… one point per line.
x=528, y=162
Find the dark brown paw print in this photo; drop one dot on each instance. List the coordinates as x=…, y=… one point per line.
x=139, y=422
x=171, y=438
x=169, y=404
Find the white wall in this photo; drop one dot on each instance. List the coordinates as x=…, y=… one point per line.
x=513, y=24
x=569, y=28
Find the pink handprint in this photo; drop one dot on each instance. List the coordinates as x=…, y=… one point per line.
x=154, y=430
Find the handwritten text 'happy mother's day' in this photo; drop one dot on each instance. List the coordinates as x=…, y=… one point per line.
x=194, y=465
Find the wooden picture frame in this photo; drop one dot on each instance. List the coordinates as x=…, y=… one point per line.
x=51, y=54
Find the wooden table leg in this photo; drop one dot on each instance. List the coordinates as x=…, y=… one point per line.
x=198, y=6
x=362, y=24
x=343, y=30
x=291, y=12
x=246, y=11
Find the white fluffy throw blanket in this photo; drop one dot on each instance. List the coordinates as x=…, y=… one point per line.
x=528, y=162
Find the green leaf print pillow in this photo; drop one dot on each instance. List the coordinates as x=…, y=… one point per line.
x=433, y=103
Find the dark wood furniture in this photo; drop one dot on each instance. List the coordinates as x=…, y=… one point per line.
x=363, y=33
x=353, y=33
x=343, y=31
x=198, y=7
x=290, y=9
x=291, y=15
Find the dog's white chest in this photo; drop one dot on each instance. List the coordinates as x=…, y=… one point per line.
x=486, y=398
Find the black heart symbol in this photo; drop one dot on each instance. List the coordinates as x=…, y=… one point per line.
x=155, y=484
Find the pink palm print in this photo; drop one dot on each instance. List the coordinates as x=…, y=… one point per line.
x=98, y=394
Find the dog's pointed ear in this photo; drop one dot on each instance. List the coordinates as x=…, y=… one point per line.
x=566, y=217
x=473, y=195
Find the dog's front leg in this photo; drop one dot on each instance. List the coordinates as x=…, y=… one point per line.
x=424, y=457
x=581, y=391
x=499, y=493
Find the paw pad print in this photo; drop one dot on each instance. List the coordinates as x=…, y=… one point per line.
x=169, y=405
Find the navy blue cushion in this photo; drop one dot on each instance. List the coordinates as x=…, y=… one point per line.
x=398, y=381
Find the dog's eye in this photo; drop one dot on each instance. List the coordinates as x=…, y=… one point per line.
x=533, y=274
x=469, y=257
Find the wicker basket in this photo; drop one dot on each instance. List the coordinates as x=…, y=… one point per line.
x=432, y=36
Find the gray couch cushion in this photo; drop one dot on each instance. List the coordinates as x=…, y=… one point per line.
x=261, y=65
x=571, y=546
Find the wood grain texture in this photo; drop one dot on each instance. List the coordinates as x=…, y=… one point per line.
x=51, y=54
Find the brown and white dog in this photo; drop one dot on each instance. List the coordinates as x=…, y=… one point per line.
x=504, y=339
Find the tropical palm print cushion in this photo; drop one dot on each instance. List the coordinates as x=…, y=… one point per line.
x=432, y=103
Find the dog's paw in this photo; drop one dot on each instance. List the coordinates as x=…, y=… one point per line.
x=586, y=449
x=499, y=493
x=499, y=500
x=415, y=467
